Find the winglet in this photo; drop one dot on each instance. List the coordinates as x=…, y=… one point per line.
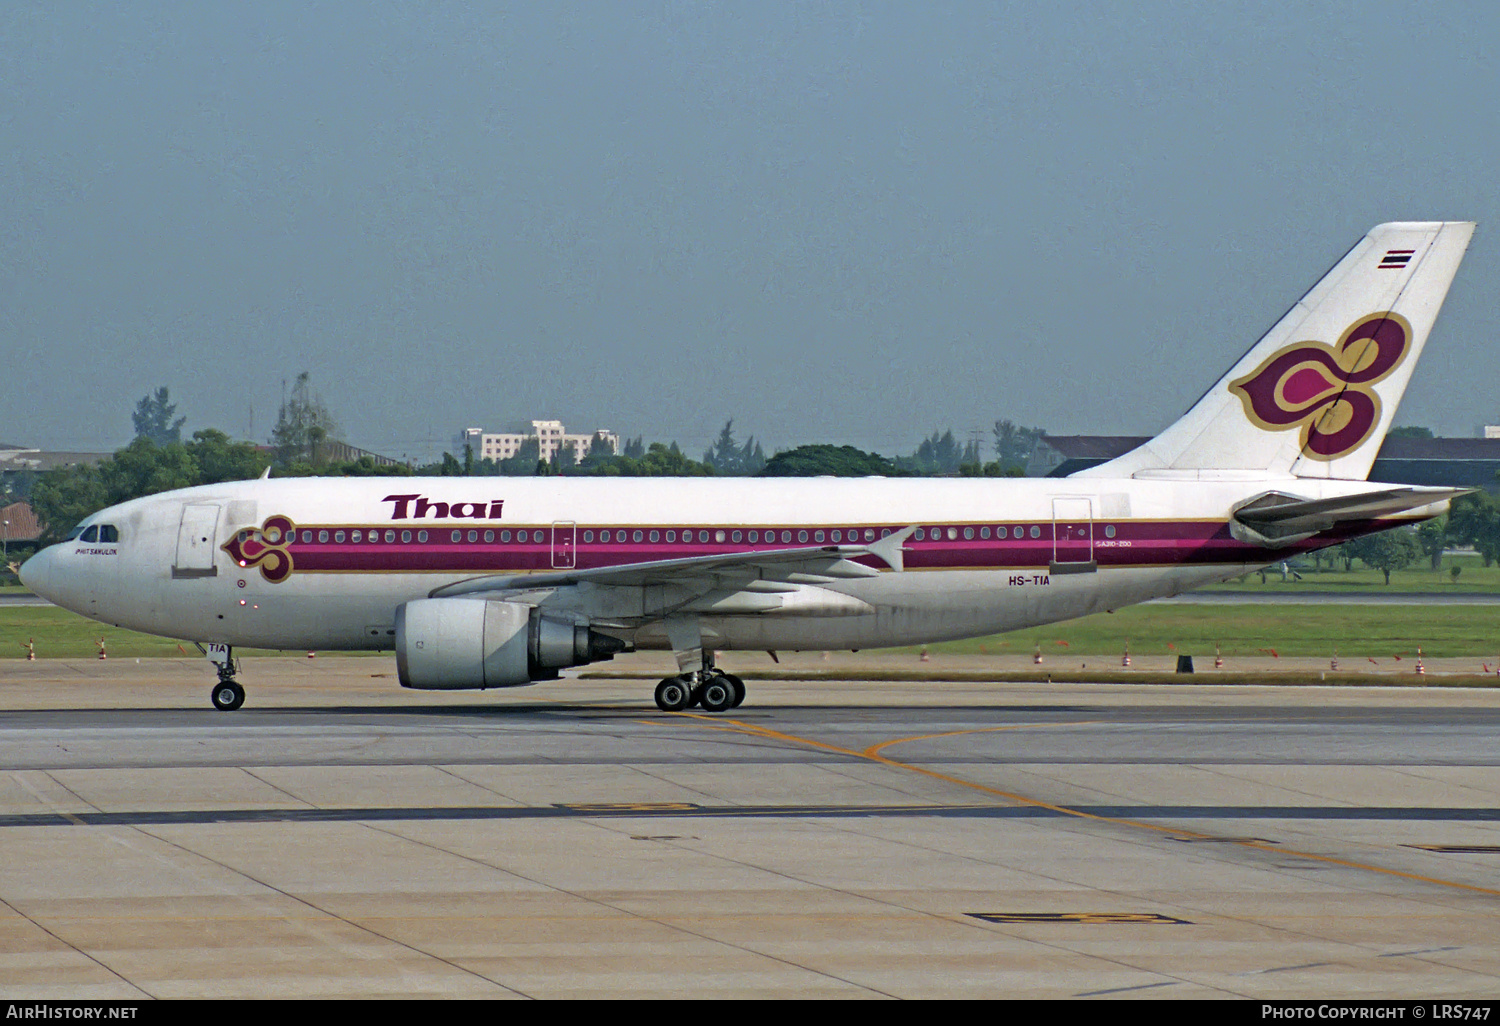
x=264, y=474
x=888, y=549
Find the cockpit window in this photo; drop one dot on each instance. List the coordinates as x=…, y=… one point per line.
x=107, y=533
x=74, y=533
x=92, y=534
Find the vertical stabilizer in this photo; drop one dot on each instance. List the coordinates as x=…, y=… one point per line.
x=1316, y=395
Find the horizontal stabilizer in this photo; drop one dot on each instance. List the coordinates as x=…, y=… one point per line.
x=1276, y=519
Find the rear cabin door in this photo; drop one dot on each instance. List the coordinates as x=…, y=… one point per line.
x=195, y=542
x=1073, y=536
x=564, y=539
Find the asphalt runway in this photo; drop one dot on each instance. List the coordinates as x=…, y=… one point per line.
x=341, y=837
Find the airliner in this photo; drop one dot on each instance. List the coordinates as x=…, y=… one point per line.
x=491, y=582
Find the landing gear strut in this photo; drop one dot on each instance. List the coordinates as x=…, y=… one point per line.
x=227, y=694
x=700, y=683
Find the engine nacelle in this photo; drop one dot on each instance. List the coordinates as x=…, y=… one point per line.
x=456, y=643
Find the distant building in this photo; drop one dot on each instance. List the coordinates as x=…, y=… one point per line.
x=18, y=523
x=550, y=435
x=1442, y=462
x=343, y=452
x=17, y=457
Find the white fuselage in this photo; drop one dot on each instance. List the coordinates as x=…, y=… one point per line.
x=992, y=555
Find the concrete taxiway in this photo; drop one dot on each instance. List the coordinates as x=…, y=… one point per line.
x=341, y=837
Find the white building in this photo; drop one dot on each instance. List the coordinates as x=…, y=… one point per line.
x=550, y=435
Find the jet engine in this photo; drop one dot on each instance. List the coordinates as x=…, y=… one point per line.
x=455, y=643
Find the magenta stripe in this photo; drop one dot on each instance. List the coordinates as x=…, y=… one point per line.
x=1134, y=544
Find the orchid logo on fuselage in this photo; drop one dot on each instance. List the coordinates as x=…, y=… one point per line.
x=265, y=547
x=1327, y=391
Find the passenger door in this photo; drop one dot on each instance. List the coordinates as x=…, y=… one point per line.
x=196, y=536
x=1073, y=536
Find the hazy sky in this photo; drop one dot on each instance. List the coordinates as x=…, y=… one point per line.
x=840, y=222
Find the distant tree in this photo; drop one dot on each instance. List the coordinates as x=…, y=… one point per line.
x=659, y=460
x=599, y=449
x=829, y=460
x=523, y=463
x=1432, y=536
x=635, y=448
x=1015, y=446
x=153, y=418
x=65, y=495
x=1409, y=432
x=1474, y=519
x=1385, y=551
x=218, y=458
x=302, y=426
x=730, y=459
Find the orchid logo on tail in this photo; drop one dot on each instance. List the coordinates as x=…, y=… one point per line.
x=264, y=546
x=1326, y=390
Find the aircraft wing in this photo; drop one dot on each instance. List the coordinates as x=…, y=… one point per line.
x=818, y=564
x=1281, y=519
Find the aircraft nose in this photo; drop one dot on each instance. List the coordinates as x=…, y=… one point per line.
x=37, y=573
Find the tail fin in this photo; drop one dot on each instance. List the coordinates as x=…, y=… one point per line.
x=1315, y=396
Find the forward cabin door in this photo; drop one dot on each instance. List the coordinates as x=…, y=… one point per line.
x=1073, y=536
x=564, y=540
x=196, y=536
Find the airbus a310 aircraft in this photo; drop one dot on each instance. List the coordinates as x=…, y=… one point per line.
x=486, y=582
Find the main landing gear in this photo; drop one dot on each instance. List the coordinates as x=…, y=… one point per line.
x=712, y=689
x=227, y=695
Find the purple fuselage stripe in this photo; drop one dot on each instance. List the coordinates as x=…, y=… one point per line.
x=1156, y=543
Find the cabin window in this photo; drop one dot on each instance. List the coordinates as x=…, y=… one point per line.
x=356, y=536
x=786, y=536
x=655, y=537
x=736, y=537
x=390, y=536
x=588, y=537
x=323, y=537
x=968, y=534
x=671, y=536
x=405, y=536
x=921, y=534
x=504, y=536
x=984, y=532
x=421, y=536
x=754, y=537
x=818, y=536
x=1036, y=532
x=636, y=536
x=953, y=534
x=92, y=534
x=489, y=536
x=870, y=534
x=802, y=536
x=1109, y=530
x=456, y=536
x=338, y=536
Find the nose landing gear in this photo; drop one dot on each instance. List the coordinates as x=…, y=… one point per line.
x=227, y=695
